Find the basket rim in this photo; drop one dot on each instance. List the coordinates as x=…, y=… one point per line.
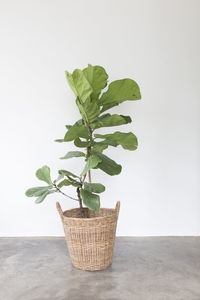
x=90, y=219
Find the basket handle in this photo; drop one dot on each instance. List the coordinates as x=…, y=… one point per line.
x=117, y=207
x=59, y=210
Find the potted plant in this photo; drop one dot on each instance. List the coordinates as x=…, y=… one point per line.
x=89, y=229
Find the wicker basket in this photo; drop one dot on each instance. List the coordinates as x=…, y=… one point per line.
x=91, y=239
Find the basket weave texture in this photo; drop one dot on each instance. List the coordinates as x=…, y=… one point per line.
x=90, y=240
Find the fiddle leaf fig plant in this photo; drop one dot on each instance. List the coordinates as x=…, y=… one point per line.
x=92, y=101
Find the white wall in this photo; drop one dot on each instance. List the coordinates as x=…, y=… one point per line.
x=155, y=42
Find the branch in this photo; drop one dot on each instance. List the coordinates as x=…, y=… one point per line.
x=82, y=180
x=89, y=176
x=58, y=190
x=88, y=150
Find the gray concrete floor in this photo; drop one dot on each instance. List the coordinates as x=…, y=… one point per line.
x=142, y=269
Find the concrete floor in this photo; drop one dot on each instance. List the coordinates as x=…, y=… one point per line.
x=142, y=269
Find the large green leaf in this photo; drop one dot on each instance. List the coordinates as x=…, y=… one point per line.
x=81, y=144
x=97, y=77
x=38, y=191
x=107, y=142
x=89, y=110
x=44, y=174
x=92, y=162
x=43, y=196
x=87, y=85
x=108, y=120
x=65, y=182
x=67, y=173
x=92, y=201
x=108, y=165
x=118, y=92
x=76, y=131
x=70, y=180
x=94, y=187
x=71, y=154
x=108, y=106
x=126, y=140
x=79, y=84
x=98, y=147
x=74, y=182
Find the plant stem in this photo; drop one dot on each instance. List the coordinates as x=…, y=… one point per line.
x=58, y=190
x=80, y=202
x=88, y=150
x=89, y=176
x=82, y=180
x=89, y=172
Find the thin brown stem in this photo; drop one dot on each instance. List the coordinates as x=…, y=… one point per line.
x=58, y=190
x=82, y=180
x=88, y=151
x=89, y=176
x=89, y=172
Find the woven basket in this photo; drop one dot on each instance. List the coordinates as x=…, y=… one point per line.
x=91, y=239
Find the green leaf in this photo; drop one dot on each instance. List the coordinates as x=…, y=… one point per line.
x=89, y=110
x=126, y=140
x=92, y=201
x=75, y=183
x=37, y=191
x=94, y=187
x=60, y=141
x=68, y=126
x=76, y=131
x=71, y=154
x=42, y=197
x=79, y=85
x=108, y=165
x=107, y=143
x=70, y=180
x=108, y=106
x=81, y=144
x=67, y=173
x=44, y=174
x=108, y=120
x=118, y=92
x=92, y=162
x=98, y=147
x=65, y=182
x=97, y=77
x=79, y=122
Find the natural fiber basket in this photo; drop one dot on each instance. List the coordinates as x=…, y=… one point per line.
x=91, y=239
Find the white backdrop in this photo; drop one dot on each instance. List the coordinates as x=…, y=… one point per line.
x=155, y=42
